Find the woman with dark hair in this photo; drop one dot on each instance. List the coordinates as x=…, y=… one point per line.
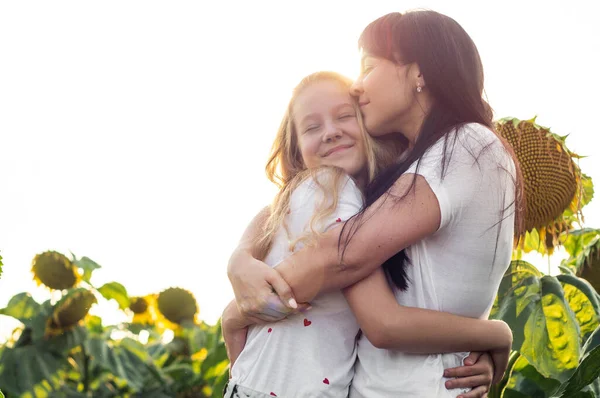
x=440, y=221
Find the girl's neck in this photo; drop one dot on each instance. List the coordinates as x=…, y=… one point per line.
x=361, y=180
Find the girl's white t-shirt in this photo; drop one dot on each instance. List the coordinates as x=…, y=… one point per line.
x=459, y=268
x=311, y=354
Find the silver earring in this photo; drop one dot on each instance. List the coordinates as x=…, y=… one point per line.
x=419, y=89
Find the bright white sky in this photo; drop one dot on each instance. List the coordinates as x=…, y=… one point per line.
x=135, y=133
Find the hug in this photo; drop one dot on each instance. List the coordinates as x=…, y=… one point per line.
x=373, y=271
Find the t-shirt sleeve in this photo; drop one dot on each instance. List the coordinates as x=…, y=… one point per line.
x=307, y=197
x=461, y=167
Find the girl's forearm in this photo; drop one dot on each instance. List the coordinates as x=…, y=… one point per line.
x=233, y=319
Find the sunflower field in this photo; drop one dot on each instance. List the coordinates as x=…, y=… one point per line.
x=165, y=350
x=61, y=350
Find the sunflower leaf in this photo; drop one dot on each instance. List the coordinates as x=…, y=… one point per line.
x=21, y=307
x=552, y=333
x=587, y=371
x=116, y=291
x=583, y=302
x=525, y=379
x=87, y=265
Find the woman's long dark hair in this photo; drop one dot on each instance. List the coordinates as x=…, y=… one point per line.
x=451, y=67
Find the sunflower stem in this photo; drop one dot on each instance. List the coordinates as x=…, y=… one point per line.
x=86, y=376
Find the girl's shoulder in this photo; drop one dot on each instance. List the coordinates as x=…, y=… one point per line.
x=325, y=178
x=327, y=182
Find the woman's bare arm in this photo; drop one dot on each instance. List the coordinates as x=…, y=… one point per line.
x=388, y=226
x=254, y=282
x=389, y=325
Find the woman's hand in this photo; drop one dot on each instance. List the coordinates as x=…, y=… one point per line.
x=477, y=374
x=258, y=288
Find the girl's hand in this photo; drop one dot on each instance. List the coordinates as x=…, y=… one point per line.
x=478, y=374
x=234, y=328
x=258, y=288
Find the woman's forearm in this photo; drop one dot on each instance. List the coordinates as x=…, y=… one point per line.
x=389, y=325
x=421, y=331
x=387, y=227
x=251, y=235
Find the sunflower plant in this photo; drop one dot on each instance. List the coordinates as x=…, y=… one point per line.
x=555, y=319
x=60, y=349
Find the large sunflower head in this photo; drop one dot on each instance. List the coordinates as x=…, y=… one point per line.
x=177, y=305
x=54, y=270
x=69, y=311
x=554, y=191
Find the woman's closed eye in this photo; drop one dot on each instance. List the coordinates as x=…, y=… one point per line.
x=346, y=116
x=366, y=69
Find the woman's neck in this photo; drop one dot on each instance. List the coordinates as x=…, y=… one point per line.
x=411, y=124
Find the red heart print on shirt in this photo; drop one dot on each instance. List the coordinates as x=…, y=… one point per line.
x=270, y=330
x=326, y=380
x=307, y=322
x=273, y=394
x=338, y=220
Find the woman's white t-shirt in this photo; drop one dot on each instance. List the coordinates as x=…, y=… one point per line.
x=310, y=354
x=459, y=268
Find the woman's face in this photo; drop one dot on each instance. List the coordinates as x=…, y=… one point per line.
x=385, y=94
x=327, y=128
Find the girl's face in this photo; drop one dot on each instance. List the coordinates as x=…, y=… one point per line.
x=385, y=93
x=328, y=130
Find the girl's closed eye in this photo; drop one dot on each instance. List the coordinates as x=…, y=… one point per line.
x=312, y=127
x=347, y=116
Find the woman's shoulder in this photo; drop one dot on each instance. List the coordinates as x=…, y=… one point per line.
x=484, y=145
x=478, y=133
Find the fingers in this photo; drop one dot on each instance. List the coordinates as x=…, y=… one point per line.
x=468, y=382
x=464, y=371
x=282, y=289
x=500, y=360
x=303, y=307
x=472, y=358
x=478, y=392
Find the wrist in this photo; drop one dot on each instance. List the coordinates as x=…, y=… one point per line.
x=239, y=254
x=503, y=335
x=232, y=319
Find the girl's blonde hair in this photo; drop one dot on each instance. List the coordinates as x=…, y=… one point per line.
x=287, y=170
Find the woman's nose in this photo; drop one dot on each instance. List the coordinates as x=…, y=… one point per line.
x=356, y=88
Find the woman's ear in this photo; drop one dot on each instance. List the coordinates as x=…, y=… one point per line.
x=417, y=77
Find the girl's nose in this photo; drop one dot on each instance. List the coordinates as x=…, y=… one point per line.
x=332, y=133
